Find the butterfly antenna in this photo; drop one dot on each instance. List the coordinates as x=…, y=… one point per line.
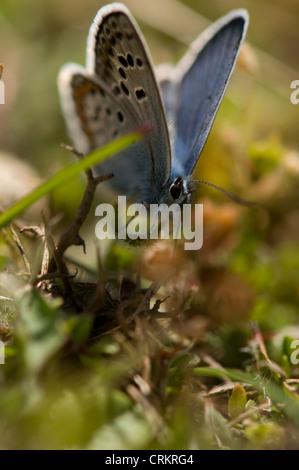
x=232, y=196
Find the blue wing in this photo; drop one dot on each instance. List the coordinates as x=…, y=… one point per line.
x=196, y=86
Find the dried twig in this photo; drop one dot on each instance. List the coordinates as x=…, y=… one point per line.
x=145, y=303
x=21, y=249
x=57, y=261
x=6, y=298
x=39, y=232
x=71, y=234
x=57, y=275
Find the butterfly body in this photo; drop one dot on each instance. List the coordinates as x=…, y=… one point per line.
x=119, y=91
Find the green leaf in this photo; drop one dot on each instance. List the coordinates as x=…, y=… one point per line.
x=40, y=329
x=237, y=401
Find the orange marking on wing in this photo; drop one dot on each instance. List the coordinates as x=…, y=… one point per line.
x=80, y=94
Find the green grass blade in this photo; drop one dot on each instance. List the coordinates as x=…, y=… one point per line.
x=276, y=392
x=68, y=173
x=224, y=373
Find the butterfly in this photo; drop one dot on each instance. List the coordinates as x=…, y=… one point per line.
x=118, y=91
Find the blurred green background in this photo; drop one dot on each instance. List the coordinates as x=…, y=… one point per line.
x=246, y=271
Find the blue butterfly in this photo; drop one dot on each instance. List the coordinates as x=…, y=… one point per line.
x=118, y=91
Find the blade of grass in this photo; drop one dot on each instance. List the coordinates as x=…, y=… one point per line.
x=276, y=392
x=224, y=373
x=70, y=172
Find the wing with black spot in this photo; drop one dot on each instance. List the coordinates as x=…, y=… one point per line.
x=116, y=93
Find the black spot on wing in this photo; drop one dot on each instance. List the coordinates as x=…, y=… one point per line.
x=140, y=94
x=120, y=116
x=124, y=88
x=122, y=73
x=123, y=61
x=130, y=60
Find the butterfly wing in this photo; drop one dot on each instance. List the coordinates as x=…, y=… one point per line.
x=116, y=93
x=198, y=84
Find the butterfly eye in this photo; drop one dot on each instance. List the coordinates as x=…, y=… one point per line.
x=176, y=189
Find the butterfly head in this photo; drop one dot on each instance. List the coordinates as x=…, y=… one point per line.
x=177, y=190
x=180, y=191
